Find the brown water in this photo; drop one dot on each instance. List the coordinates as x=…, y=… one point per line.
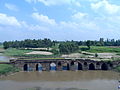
x=62, y=80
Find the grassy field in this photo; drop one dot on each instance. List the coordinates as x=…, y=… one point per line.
x=6, y=68
x=21, y=53
x=15, y=52
x=42, y=58
x=100, y=49
x=94, y=49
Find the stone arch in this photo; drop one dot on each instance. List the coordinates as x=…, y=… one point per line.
x=80, y=67
x=52, y=66
x=38, y=67
x=91, y=66
x=72, y=63
x=59, y=64
x=66, y=66
x=104, y=66
x=25, y=67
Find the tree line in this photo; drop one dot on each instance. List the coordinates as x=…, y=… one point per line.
x=100, y=42
x=28, y=43
x=63, y=46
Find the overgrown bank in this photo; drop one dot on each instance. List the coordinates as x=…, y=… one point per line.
x=117, y=69
x=6, y=69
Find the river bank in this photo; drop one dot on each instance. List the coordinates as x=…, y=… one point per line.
x=7, y=69
x=117, y=69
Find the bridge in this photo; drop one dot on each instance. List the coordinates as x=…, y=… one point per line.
x=63, y=64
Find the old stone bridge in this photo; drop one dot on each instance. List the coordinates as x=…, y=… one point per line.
x=63, y=64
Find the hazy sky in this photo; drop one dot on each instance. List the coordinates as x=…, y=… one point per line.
x=59, y=19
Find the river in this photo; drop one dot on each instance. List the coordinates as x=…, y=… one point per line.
x=4, y=58
x=61, y=80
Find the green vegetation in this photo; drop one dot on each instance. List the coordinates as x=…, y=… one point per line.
x=117, y=68
x=41, y=58
x=19, y=48
x=6, y=69
x=1, y=46
x=68, y=47
x=96, y=55
x=100, y=49
x=15, y=52
x=22, y=53
x=88, y=43
x=28, y=43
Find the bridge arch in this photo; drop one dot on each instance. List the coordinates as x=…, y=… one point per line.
x=25, y=67
x=104, y=66
x=52, y=66
x=59, y=64
x=66, y=66
x=38, y=67
x=91, y=66
x=80, y=66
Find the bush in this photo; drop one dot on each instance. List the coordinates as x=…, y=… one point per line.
x=6, y=68
x=55, y=52
x=117, y=68
x=96, y=55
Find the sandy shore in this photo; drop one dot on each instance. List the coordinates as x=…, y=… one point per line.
x=40, y=53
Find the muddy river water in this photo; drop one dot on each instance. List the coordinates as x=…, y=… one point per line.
x=61, y=80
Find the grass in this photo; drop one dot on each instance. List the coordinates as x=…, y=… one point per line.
x=15, y=52
x=7, y=68
x=41, y=58
x=1, y=46
x=94, y=49
x=117, y=68
x=21, y=53
x=100, y=49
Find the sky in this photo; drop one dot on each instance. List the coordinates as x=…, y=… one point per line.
x=59, y=19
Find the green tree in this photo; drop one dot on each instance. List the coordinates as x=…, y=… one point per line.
x=88, y=43
x=68, y=47
x=6, y=45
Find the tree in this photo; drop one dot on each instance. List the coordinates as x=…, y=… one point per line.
x=68, y=47
x=101, y=41
x=88, y=43
x=96, y=55
x=6, y=45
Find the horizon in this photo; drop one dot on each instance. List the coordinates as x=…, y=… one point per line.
x=59, y=20
x=62, y=40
